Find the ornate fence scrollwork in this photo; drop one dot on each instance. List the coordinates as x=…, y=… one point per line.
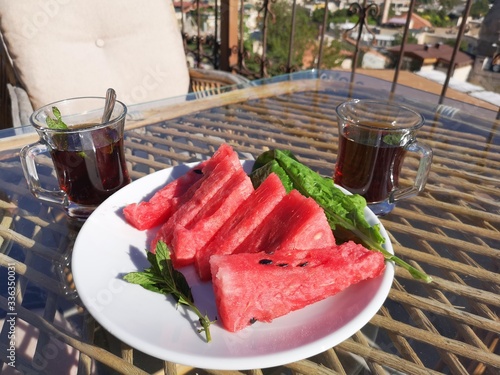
x=363, y=11
x=202, y=48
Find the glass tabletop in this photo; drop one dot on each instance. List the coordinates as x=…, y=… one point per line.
x=450, y=230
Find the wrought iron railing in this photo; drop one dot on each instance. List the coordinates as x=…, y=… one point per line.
x=227, y=46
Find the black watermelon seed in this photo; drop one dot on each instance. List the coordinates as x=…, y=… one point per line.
x=282, y=265
x=265, y=261
x=303, y=264
x=198, y=171
x=253, y=320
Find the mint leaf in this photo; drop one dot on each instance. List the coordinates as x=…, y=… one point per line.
x=175, y=280
x=393, y=139
x=144, y=279
x=56, y=123
x=163, y=278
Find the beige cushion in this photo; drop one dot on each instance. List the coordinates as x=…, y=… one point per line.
x=68, y=48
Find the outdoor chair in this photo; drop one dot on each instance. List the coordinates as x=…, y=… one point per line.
x=52, y=50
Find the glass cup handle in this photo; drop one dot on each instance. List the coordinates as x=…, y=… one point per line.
x=424, y=167
x=28, y=155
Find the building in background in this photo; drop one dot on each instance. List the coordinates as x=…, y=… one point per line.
x=437, y=56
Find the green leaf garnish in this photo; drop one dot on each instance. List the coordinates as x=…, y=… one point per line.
x=345, y=213
x=56, y=123
x=162, y=278
x=393, y=139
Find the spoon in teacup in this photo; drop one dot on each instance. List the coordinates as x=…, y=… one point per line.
x=109, y=105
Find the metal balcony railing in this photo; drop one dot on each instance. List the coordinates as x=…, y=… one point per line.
x=217, y=34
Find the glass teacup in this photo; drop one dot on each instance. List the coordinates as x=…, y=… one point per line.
x=374, y=138
x=88, y=155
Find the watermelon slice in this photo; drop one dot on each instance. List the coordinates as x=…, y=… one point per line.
x=241, y=224
x=296, y=222
x=252, y=287
x=199, y=196
x=188, y=239
x=149, y=214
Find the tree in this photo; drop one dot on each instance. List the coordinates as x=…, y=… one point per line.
x=318, y=15
x=479, y=8
x=278, y=36
x=305, y=39
x=331, y=55
x=437, y=18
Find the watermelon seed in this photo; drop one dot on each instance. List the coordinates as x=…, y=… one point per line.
x=282, y=265
x=265, y=261
x=253, y=320
x=198, y=171
x=303, y=264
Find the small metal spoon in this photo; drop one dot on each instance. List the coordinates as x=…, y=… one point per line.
x=109, y=105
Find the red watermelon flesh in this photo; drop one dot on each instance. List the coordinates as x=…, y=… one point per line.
x=241, y=224
x=296, y=222
x=251, y=287
x=149, y=214
x=187, y=240
x=198, y=196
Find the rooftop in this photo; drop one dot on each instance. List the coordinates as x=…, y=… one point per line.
x=432, y=53
x=433, y=85
x=418, y=22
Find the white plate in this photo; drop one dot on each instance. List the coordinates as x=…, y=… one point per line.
x=107, y=248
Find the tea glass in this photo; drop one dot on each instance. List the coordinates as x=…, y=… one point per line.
x=88, y=156
x=374, y=139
